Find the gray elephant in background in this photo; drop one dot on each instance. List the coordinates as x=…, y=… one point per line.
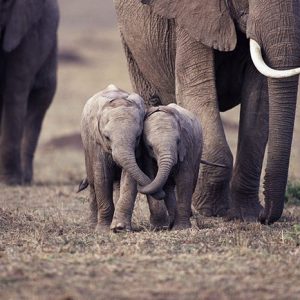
x=173, y=143
x=28, y=58
x=111, y=127
x=209, y=56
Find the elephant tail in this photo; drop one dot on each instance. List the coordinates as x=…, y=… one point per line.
x=205, y=162
x=83, y=185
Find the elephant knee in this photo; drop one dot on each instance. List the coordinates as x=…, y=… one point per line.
x=219, y=174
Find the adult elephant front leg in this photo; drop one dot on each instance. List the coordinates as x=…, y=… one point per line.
x=196, y=91
x=253, y=135
x=39, y=101
x=13, y=117
x=158, y=211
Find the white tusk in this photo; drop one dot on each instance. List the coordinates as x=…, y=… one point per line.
x=261, y=66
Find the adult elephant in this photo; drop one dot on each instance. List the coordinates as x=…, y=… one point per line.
x=27, y=81
x=197, y=53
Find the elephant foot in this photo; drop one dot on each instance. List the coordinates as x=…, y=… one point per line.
x=27, y=177
x=264, y=216
x=210, y=212
x=212, y=201
x=159, y=218
x=245, y=209
x=119, y=225
x=159, y=222
x=10, y=168
x=12, y=180
x=181, y=225
x=92, y=221
x=102, y=228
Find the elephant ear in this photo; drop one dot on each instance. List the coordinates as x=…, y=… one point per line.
x=24, y=14
x=188, y=124
x=183, y=129
x=208, y=21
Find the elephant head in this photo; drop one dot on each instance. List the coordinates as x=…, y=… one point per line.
x=118, y=128
x=165, y=137
x=273, y=27
x=16, y=19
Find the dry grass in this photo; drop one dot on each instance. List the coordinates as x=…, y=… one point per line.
x=47, y=250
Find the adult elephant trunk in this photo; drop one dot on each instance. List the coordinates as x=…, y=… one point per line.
x=165, y=164
x=282, y=107
x=283, y=85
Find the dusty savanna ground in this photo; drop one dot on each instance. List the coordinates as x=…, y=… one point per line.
x=47, y=250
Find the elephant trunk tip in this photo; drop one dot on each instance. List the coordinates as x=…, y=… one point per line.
x=271, y=213
x=158, y=195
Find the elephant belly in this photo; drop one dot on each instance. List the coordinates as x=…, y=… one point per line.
x=230, y=70
x=151, y=42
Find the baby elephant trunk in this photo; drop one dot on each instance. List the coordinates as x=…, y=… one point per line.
x=165, y=166
x=128, y=162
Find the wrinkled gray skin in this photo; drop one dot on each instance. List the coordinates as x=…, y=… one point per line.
x=178, y=50
x=27, y=81
x=173, y=141
x=111, y=126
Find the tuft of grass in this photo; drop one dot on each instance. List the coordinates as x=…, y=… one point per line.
x=292, y=194
x=294, y=234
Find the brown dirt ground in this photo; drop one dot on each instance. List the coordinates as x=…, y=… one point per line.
x=47, y=250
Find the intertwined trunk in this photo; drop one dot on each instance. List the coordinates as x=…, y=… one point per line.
x=126, y=159
x=165, y=163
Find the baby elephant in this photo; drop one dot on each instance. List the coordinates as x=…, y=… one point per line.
x=173, y=141
x=111, y=126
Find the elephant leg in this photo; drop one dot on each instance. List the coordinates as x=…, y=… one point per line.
x=116, y=193
x=196, y=91
x=158, y=211
x=93, y=218
x=39, y=101
x=1, y=104
x=170, y=202
x=253, y=135
x=140, y=84
x=125, y=204
x=184, y=193
x=103, y=183
x=12, y=124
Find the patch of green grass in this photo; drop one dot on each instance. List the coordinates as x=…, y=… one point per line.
x=292, y=194
x=294, y=234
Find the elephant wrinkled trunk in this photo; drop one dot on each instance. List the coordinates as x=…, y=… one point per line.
x=280, y=43
x=263, y=68
x=165, y=164
x=283, y=96
x=128, y=162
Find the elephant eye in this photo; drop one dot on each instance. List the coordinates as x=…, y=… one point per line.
x=107, y=138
